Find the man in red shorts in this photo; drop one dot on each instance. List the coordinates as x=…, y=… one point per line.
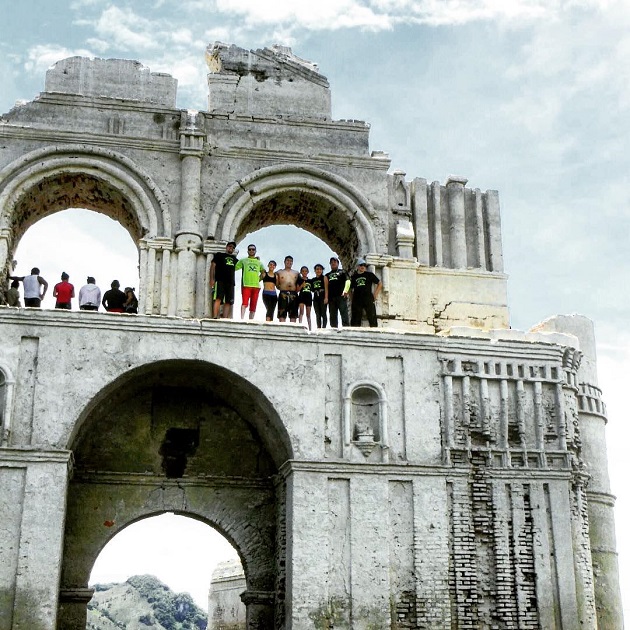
x=250, y=281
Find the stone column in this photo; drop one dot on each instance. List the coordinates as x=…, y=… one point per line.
x=33, y=485
x=73, y=608
x=457, y=221
x=494, y=242
x=600, y=502
x=155, y=258
x=259, y=609
x=188, y=240
x=142, y=289
x=419, y=205
x=5, y=263
x=436, y=235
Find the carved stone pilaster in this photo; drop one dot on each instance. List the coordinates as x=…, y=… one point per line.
x=73, y=607
x=259, y=609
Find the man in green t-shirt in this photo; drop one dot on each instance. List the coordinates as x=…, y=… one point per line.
x=250, y=280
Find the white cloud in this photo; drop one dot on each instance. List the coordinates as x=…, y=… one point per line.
x=40, y=57
x=385, y=14
x=126, y=30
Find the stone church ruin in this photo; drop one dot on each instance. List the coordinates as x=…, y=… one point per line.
x=445, y=472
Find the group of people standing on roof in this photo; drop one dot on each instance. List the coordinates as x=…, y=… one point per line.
x=35, y=287
x=294, y=294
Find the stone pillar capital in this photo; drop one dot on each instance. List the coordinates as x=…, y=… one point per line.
x=77, y=595
x=456, y=180
x=188, y=240
x=261, y=598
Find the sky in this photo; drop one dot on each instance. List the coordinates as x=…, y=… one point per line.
x=530, y=97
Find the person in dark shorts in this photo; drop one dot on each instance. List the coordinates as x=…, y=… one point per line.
x=286, y=281
x=64, y=292
x=338, y=287
x=320, y=296
x=270, y=295
x=114, y=299
x=305, y=296
x=362, y=296
x=33, y=285
x=89, y=295
x=222, y=271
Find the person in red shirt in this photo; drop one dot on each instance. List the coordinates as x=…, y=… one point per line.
x=64, y=292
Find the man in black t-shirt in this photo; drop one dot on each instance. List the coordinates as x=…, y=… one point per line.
x=362, y=296
x=222, y=280
x=338, y=286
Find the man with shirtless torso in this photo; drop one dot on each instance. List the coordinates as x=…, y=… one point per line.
x=286, y=282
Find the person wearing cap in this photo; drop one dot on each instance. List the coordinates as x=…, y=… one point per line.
x=362, y=296
x=338, y=287
x=64, y=292
x=89, y=296
x=222, y=270
x=33, y=294
x=114, y=299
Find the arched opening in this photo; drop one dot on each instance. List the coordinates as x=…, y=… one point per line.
x=65, y=190
x=274, y=243
x=153, y=564
x=320, y=202
x=81, y=243
x=185, y=437
x=313, y=213
x=51, y=180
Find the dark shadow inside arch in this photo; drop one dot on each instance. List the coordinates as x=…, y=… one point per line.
x=177, y=403
x=309, y=211
x=73, y=190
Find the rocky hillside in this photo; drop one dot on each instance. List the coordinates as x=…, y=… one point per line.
x=143, y=603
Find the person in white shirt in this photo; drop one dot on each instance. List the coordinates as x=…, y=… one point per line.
x=89, y=296
x=33, y=294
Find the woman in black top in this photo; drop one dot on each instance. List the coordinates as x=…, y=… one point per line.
x=270, y=296
x=305, y=298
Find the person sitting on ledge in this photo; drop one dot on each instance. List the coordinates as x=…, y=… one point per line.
x=131, y=303
x=13, y=294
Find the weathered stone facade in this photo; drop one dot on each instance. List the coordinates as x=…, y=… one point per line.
x=450, y=480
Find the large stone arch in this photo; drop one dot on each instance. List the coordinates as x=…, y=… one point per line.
x=56, y=178
x=178, y=436
x=305, y=196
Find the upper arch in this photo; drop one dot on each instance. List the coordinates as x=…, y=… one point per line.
x=232, y=214
x=148, y=214
x=239, y=394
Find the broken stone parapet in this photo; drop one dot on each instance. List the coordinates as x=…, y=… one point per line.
x=111, y=78
x=268, y=82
